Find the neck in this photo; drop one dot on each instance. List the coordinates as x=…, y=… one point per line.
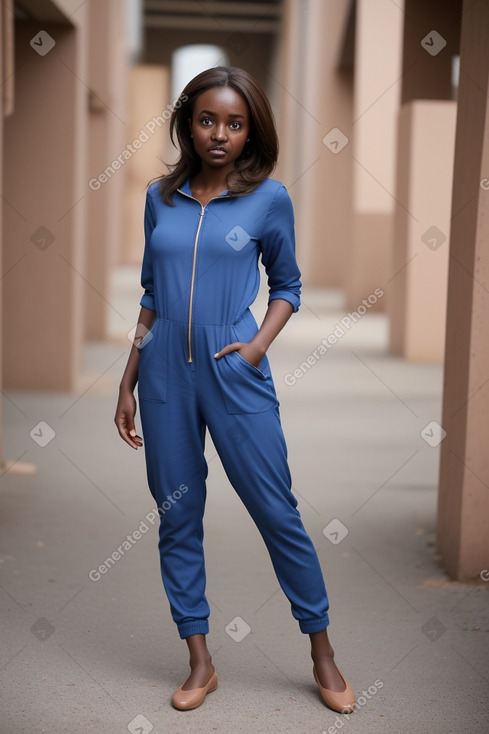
x=212, y=178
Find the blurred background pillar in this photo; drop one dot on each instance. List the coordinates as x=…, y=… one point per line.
x=316, y=94
x=61, y=235
x=463, y=506
x=378, y=63
x=149, y=95
x=107, y=135
x=45, y=195
x=6, y=107
x=417, y=288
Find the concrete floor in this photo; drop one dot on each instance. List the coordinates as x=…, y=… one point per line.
x=79, y=655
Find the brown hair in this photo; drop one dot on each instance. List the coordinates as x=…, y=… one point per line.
x=259, y=155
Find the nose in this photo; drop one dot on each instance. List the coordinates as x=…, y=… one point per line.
x=220, y=133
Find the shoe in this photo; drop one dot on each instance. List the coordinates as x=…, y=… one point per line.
x=186, y=700
x=341, y=701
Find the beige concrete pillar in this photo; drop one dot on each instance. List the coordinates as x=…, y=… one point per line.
x=417, y=286
x=463, y=507
x=417, y=290
x=45, y=208
x=3, y=104
x=289, y=85
x=149, y=110
x=377, y=90
x=107, y=118
x=316, y=97
x=7, y=67
x=427, y=56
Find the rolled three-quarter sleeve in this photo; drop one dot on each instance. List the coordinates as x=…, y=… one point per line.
x=278, y=250
x=147, y=278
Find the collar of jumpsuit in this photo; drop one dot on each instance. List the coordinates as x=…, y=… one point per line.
x=185, y=187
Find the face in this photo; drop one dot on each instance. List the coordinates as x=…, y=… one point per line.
x=220, y=125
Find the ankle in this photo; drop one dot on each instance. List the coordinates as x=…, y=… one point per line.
x=200, y=661
x=326, y=653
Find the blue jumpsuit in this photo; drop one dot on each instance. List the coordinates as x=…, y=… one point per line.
x=200, y=275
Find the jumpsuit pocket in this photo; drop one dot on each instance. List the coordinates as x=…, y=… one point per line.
x=255, y=370
x=246, y=388
x=153, y=363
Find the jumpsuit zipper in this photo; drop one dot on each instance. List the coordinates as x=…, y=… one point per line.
x=194, y=263
x=192, y=281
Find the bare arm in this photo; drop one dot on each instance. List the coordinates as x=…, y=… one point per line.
x=278, y=313
x=126, y=405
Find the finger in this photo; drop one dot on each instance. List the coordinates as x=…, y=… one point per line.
x=135, y=442
x=228, y=348
x=132, y=439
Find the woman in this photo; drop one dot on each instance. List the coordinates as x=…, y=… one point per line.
x=200, y=361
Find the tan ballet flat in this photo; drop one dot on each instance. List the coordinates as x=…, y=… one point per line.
x=341, y=701
x=186, y=700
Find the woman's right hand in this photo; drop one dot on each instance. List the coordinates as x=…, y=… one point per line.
x=124, y=418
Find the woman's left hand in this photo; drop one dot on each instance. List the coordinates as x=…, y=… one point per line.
x=248, y=351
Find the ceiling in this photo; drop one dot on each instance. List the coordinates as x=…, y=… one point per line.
x=224, y=15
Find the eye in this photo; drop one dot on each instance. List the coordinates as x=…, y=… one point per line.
x=235, y=125
x=206, y=121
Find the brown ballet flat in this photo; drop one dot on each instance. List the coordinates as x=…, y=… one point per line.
x=341, y=701
x=186, y=700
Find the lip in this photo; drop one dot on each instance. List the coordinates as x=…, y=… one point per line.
x=217, y=150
